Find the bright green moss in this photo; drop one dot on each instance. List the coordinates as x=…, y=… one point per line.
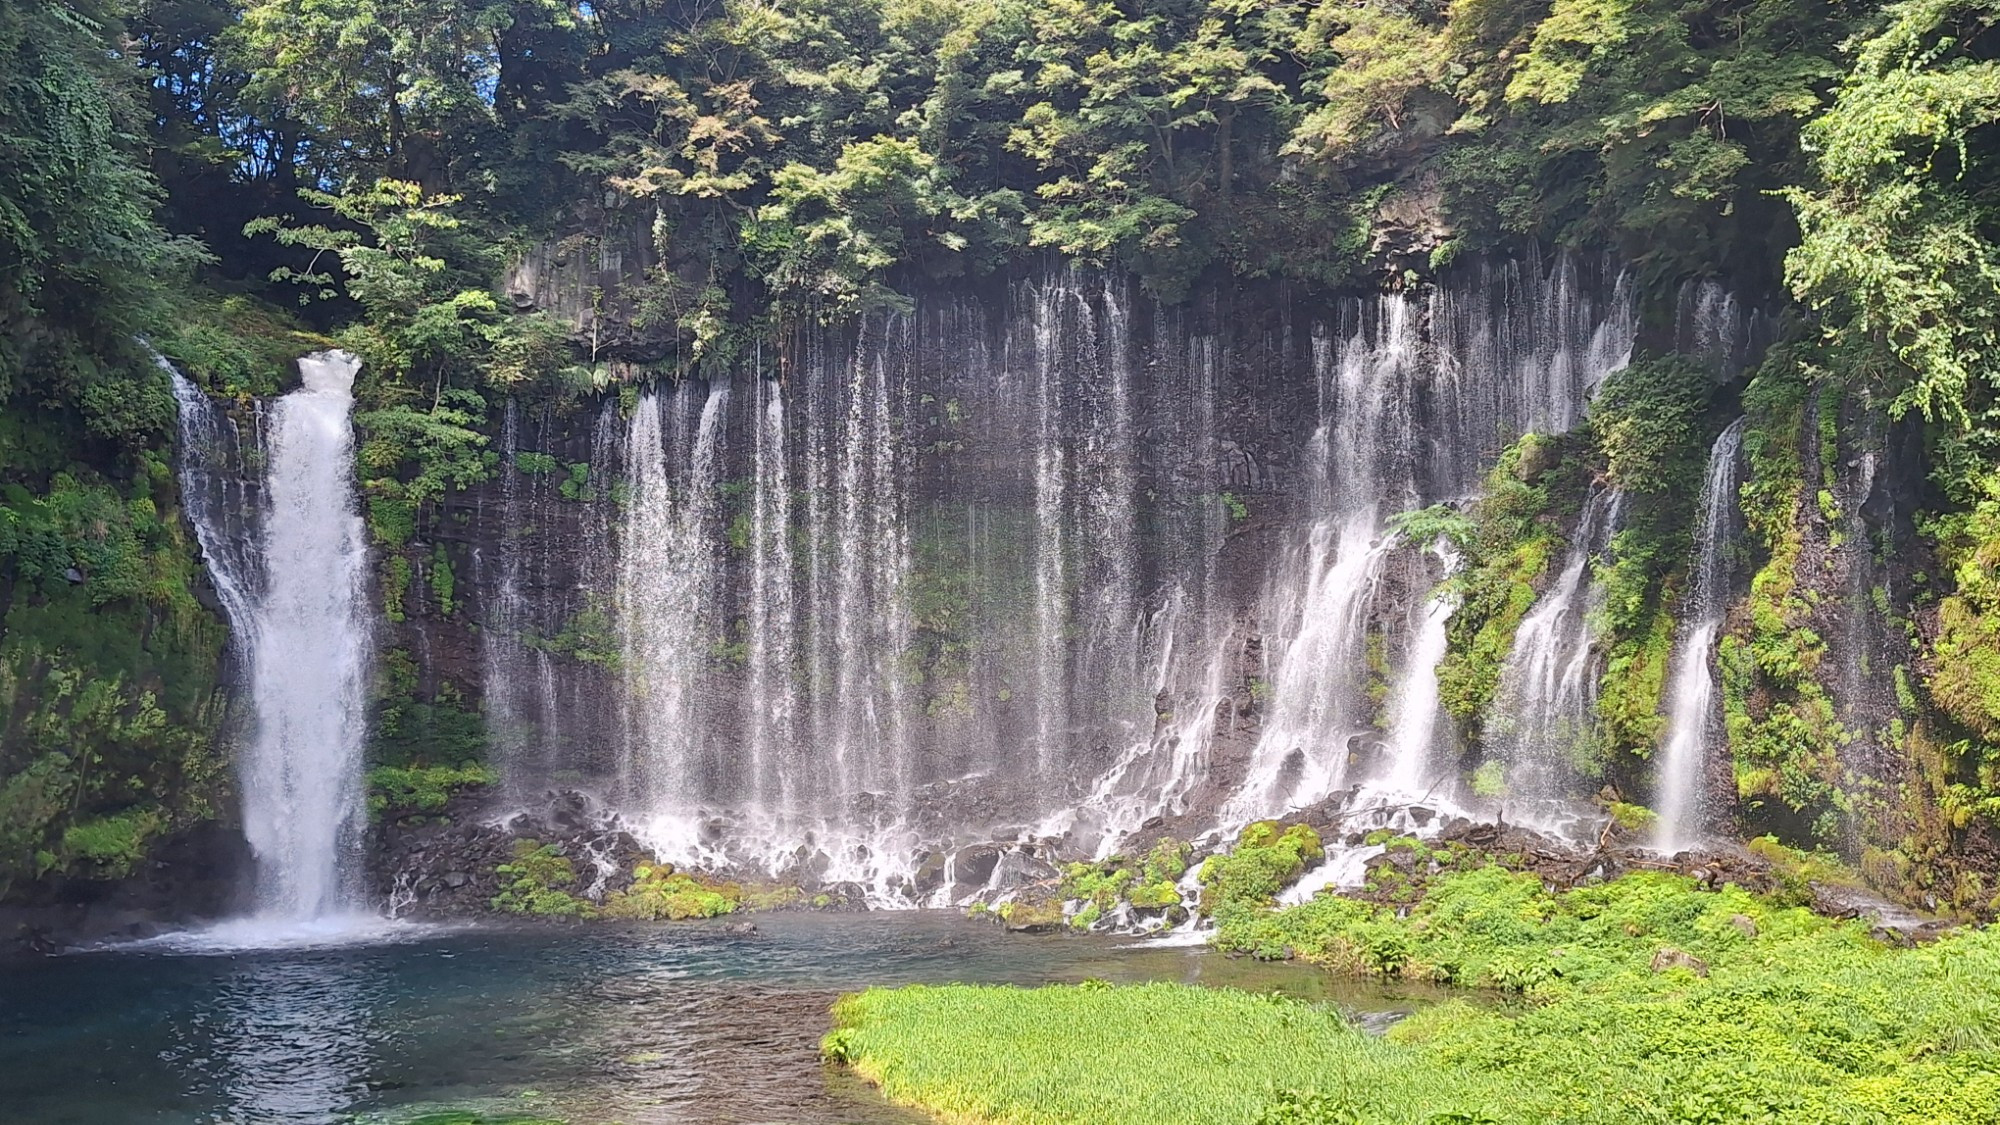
x=112, y=844
x=423, y=788
x=1628, y=700
x=1507, y=541
x=534, y=464
x=1265, y=860
x=660, y=891
x=538, y=883
x=444, y=583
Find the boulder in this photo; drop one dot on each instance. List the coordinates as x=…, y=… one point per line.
x=1670, y=958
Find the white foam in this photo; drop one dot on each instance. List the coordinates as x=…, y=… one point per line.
x=257, y=933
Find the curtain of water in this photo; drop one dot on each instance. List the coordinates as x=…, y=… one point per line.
x=967, y=562
x=1414, y=403
x=667, y=604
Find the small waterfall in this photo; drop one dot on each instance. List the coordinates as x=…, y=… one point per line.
x=1413, y=730
x=224, y=500
x=1693, y=720
x=861, y=719
x=519, y=679
x=297, y=612
x=1713, y=328
x=1319, y=696
x=1414, y=403
x=1051, y=577
x=1542, y=717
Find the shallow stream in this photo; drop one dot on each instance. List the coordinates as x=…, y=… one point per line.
x=591, y=1024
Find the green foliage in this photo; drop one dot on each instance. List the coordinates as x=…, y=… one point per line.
x=1646, y=421
x=1653, y=124
x=84, y=268
x=235, y=344
x=471, y=1117
x=589, y=636
x=443, y=582
x=1506, y=540
x=1784, y=734
x=1095, y=1053
x=1424, y=526
x=423, y=789
x=534, y=464
x=1896, y=247
x=1489, y=780
x=112, y=843
x=1799, y=1018
x=108, y=664
x=406, y=729
x=1145, y=884
x=660, y=891
x=538, y=883
x=576, y=486
x=1265, y=860
x=1635, y=674
x=439, y=442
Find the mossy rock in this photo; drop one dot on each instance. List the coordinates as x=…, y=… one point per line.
x=1022, y=916
x=1267, y=858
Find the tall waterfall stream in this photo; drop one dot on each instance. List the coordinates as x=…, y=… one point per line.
x=290, y=568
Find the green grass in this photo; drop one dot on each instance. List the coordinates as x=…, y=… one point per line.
x=1163, y=1054
x=1800, y=1019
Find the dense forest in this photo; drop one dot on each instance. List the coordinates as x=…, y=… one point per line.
x=233, y=182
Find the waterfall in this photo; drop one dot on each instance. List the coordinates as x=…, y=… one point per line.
x=295, y=606
x=667, y=605
x=1414, y=402
x=1542, y=721
x=997, y=569
x=1319, y=696
x=1051, y=565
x=772, y=698
x=223, y=500
x=1416, y=708
x=1693, y=720
x=508, y=667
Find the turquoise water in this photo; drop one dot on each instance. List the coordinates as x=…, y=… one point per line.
x=597, y=1024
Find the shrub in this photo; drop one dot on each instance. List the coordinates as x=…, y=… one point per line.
x=1266, y=860
x=659, y=891
x=538, y=882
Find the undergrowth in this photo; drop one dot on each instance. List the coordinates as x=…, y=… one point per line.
x=1759, y=1011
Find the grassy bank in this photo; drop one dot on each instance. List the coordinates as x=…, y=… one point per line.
x=1642, y=1000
